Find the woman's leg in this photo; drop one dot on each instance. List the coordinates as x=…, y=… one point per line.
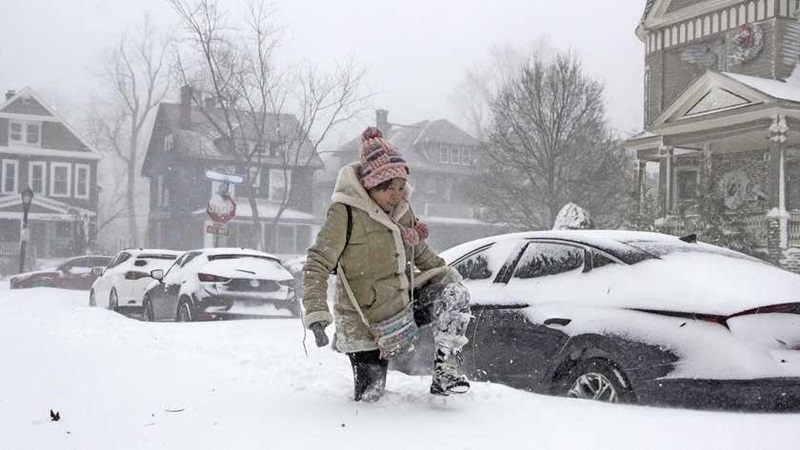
x=446, y=307
x=369, y=375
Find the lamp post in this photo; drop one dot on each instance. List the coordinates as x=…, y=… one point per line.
x=27, y=198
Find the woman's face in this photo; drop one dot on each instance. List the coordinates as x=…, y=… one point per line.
x=389, y=198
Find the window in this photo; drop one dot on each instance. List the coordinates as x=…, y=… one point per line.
x=162, y=191
x=60, y=178
x=24, y=133
x=36, y=177
x=168, y=143
x=10, y=177
x=544, y=259
x=465, y=157
x=64, y=229
x=475, y=267
x=81, y=181
x=685, y=190
x=454, y=158
x=443, y=155
x=279, y=182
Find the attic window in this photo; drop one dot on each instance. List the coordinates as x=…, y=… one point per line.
x=27, y=100
x=24, y=133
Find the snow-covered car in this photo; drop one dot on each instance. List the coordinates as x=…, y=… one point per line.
x=74, y=273
x=630, y=317
x=221, y=282
x=121, y=285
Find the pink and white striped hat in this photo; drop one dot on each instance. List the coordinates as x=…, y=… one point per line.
x=380, y=161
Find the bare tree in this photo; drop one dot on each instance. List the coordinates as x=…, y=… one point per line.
x=549, y=144
x=262, y=115
x=135, y=76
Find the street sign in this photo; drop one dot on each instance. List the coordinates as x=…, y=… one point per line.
x=217, y=230
x=221, y=208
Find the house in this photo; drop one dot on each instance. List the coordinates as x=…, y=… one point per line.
x=185, y=143
x=40, y=150
x=722, y=115
x=444, y=160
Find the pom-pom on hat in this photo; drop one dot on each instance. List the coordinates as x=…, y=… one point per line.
x=380, y=161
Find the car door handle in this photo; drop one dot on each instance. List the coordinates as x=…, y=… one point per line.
x=557, y=321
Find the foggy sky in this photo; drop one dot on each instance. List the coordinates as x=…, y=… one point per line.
x=415, y=51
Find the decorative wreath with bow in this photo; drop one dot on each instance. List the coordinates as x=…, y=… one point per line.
x=746, y=43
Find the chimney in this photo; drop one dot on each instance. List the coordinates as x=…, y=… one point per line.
x=382, y=121
x=187, y=92
x=10, y=94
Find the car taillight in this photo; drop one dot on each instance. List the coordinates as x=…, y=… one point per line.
x=209, y=278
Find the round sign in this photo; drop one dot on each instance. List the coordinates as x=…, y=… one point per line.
x=221, y=208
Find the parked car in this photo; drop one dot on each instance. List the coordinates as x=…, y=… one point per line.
x=120, y=286
x=629, y=317
x=220, y=282
x=74, y=273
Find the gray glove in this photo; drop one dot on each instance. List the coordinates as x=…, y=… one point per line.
x=319, y=333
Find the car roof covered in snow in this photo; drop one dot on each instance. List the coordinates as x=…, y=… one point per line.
x=236, y=251
x=620, y=243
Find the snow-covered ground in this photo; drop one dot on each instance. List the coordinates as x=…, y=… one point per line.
x=123, y=384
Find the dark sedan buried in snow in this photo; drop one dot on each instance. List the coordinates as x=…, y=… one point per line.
x=74, y=273
x=218, y=283
x=629, y=317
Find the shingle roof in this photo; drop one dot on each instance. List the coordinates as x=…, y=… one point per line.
x=647, y=7
x=202, y=138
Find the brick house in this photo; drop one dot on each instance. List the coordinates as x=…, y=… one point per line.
x=722, y=112
x=184, y=145
x=38, y=148
x=444, y=160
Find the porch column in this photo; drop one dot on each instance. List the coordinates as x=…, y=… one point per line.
x=778, y=223
x=665, y=178
x=640, y=184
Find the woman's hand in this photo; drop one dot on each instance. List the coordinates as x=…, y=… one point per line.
x=319, y=333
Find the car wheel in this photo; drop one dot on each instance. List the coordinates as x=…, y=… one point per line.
x=185, y=311
x=92, y=299
x=147, y=311
x=598, y=379
x=113, y=301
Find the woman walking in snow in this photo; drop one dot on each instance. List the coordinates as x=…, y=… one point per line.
x=374, y=242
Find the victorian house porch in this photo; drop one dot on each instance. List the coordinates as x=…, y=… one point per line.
x=736, y=137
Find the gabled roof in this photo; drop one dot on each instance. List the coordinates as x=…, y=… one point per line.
x=659, y=13
x=202, y=139
x=28, y=103
x=411, y=139
x=716, y=92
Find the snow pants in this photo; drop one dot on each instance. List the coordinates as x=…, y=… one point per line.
x=443, y=306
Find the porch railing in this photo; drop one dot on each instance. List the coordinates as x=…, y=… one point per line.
x=754, y=222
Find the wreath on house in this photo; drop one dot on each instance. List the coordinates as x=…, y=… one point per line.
x=734, y=187
x=746, y=42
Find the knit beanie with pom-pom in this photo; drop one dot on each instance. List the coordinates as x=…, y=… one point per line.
x=380, y=161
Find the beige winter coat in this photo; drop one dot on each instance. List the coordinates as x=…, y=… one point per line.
x=375, y=263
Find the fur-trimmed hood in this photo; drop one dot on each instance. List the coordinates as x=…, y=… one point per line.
x=349, y=190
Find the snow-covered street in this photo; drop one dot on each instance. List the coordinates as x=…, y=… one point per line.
x=123, y=384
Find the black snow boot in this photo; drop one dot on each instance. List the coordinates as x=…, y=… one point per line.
x=369, y=375
x=448, y=377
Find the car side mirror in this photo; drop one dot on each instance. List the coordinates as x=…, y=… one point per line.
x=157, y=274
x=97, y=271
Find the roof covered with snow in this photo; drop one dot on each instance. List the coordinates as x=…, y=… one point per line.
x=779, y=89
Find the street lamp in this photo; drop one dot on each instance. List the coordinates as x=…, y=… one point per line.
x=27, y=198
